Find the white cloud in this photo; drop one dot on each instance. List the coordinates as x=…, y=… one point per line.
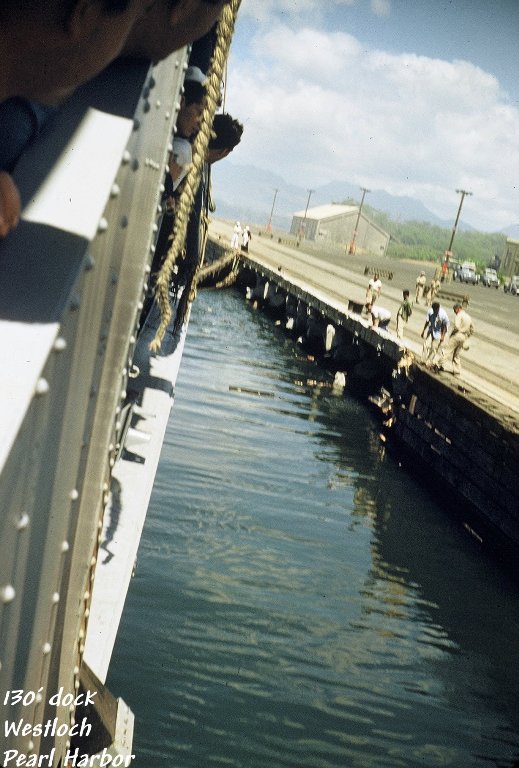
x=319, y=107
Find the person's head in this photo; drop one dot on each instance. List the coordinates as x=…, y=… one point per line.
x=170, y=25
x=457, y=308
x=405, y=294
x=59, y=44
x=227, y=133
x=368, y=307
x=191, y=109
x=435, y=307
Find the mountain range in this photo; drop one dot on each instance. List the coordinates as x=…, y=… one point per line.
x=246, y=193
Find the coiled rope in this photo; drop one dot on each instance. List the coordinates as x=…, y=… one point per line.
x=225, y=30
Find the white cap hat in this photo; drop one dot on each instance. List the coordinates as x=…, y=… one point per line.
x=196, y=74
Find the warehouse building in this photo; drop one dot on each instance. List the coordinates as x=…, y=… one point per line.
x=336, y=223
x=510, y=263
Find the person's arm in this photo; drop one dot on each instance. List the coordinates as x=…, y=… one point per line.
x=10, y=204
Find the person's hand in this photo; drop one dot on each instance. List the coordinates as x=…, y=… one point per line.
x=10, y=204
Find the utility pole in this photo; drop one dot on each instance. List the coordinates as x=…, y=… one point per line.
x=464, y=193
x=353, y=244
x=303, y=223
x=269, y=225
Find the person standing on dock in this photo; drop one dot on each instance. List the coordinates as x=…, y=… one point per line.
x=405, y=310
x=374, y=289
x=458, y=339
x=246, y=238
x=433, y=333
x=236, y=235
x=420, y=286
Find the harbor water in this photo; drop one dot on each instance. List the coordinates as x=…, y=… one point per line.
x=300, y=600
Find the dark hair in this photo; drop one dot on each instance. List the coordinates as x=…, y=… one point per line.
x=193, y=92
x=435, y=305
x=228, y=132
x=406, y=294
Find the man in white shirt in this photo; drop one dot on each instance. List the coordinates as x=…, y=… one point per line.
x=380, y=316
x=462, y=330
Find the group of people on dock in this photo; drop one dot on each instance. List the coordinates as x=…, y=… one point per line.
x=443, y=340
x=241, y=237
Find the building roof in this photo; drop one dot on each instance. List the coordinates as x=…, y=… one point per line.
x=331, y=211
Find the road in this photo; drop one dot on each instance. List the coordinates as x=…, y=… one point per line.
x=491, y=365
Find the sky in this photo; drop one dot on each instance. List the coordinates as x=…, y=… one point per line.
x=414, y=97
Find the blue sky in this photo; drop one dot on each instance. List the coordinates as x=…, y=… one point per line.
x=416, y=98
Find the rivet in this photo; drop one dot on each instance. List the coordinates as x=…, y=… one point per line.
x=124, y=221
x=112, y=463
x=140, y=306
x=159, y=209
x=105, y=485
x=145, y=92
x=151, y=82
x=90, y=262
x=135, y=165
x=162, y=188
x=46, y=649
x=81, y=635
x=42, y=387
x=146, y=107
x=81, y=650
x=103, y=225
x=7, y=593
x=152, y=248
x=76, y=670
x=87, y=613
x=75, y=302
x=155, y=228
x=74, y=494
x=60, y=344
x=93, y=391
x=30, y=745
x=65, y=546
x=115, y=191
x=23, y=521
x=55, y=598
x=170, y=147
x=126, y=157
x=177, y=105
x=136, y=124
x=39, y=698
x=86, y=596
x=132, y=339
x=114, y=278
x=167, y=115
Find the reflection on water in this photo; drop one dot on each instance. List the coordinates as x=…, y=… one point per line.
x=299, y=600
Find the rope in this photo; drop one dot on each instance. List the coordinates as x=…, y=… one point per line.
x=225, y=31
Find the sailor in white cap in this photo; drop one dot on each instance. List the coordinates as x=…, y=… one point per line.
x=420, y=285
x=236, y=235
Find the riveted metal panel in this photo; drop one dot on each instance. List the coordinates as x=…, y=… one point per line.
x=71, y=281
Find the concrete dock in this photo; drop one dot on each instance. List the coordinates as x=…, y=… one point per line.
x=490, y=366
x=462, y=432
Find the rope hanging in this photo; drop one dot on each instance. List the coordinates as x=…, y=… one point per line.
x=225, y=31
